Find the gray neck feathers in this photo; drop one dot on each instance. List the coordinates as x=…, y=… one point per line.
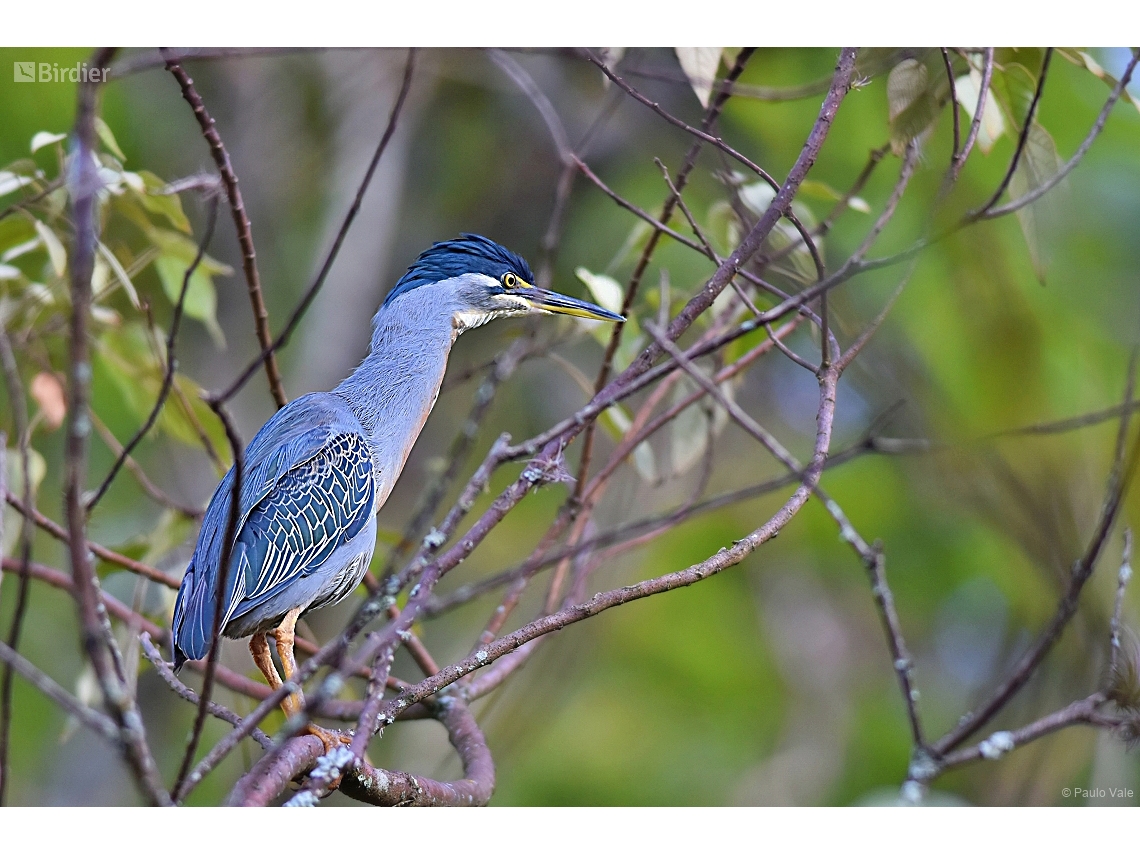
x=395, y=387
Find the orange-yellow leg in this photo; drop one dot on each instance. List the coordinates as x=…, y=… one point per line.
x=284, y=635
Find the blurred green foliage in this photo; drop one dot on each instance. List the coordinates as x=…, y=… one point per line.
x=772, y=682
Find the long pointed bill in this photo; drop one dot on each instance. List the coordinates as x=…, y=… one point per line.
x=560, y=304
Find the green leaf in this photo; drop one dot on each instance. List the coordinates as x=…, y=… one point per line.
x=617, y=423
x=1039, y=220
x=700, y=65
x=176, y=254
x=967, y=88
x=180, y=426
x=120, y=274
x=167, y=205
x=696, y=424
x=605, y=290
x=125, y=358
x=108, y=138
x=201, y=302
x=608, y=294
x=10, y=182
x=170, y=532
x=22, y=248
x=689, y=433
x=912, y=100
x=45, y=138
x=812, y=189
x=14, y=467
x=637, y=236
x=723, y=229
x=54, y=247
x=757, y=197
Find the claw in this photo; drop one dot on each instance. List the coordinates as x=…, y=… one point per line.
x=333, y=741
x=330, y=738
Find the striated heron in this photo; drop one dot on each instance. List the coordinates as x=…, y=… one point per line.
x=318, y=471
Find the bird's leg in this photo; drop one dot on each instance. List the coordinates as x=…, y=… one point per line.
x=259, y=648
x=284, y=635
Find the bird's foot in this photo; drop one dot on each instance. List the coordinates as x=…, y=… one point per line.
x=330, y=738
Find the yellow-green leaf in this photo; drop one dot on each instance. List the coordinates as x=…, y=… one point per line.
x=108, y=138
x=912, y=103
x=54, y=247
x=10, y=182
x=1039, y=220
x=45, y=138
x=967, y=88
x=201, y=302
x=14, y=473
x=700, y=65
x=120, y=274
x=605, y=290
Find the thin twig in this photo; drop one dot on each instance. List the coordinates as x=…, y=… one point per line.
x=954, y=109
x=229, y=536
x=48, y=189
x=149, y=487
x=186, y=693
x=97, y=639
x=1039, y=191
x=241, y=223
x=93, y=719
x=872, y=557
x=701, y=133
x=959, y=159
x=19, y=405
x=171, y=361
x=268, y=348
x=59, y=533
x=1123, y=576
x=998, y=744
x=1027, y=664
x=1022, y=140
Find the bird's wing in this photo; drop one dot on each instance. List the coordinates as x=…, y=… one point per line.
x=314, y=508
x=307, y=486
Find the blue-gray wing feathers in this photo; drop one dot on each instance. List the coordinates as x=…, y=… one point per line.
x=307, y=488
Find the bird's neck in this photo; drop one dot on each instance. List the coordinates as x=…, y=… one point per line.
x=394, y=389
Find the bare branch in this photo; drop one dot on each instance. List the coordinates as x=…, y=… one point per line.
x=1029, y=661
x=269, y=348
x=1078, y=712
x=959, y=159
x=96, y=636
x=93, y=719
x=1022, y=139
x=1071, y=164
x=1123, y=576
x=954, y=109
x=241, y=222
x=18, y=403
x=186, y=693
x=229, y=536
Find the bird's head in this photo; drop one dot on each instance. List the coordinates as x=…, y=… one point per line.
x=483, y=281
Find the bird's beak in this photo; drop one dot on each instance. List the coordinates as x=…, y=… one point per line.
x=560, y=304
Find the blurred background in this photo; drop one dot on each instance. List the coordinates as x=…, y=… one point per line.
x=770, y=683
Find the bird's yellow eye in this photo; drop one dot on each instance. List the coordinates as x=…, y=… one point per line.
x=510, y=280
